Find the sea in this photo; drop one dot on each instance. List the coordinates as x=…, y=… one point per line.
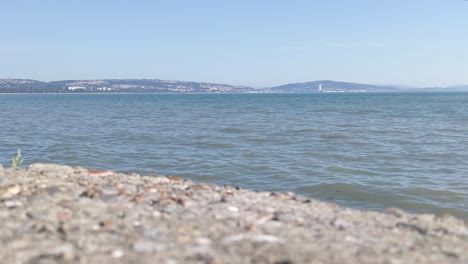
x=363, y=150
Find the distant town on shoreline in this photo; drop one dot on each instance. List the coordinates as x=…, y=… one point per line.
x=173, y=86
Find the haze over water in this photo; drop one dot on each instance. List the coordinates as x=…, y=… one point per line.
x=369, y=151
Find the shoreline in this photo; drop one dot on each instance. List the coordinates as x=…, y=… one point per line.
x=77, y=215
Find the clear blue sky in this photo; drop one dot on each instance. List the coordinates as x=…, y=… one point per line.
x=244, y=42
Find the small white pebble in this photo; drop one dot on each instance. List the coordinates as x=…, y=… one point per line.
x=203, y=241
x=270, y=209
x=156, y=214
x=11, y=204
x=160, y=180
x=253, y=237
x=136, y=223
x=351, y=239
x=170, y=261
x=233, y=209
x=117, y=253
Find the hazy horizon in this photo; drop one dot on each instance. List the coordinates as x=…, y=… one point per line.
x=255, y=44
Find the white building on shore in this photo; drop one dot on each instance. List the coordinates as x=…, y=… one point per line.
x=75, y=88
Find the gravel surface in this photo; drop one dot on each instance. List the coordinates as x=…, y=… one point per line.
x=60, y=214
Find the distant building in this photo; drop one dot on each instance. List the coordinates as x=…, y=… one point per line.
x=74, y=88
x=104, y=88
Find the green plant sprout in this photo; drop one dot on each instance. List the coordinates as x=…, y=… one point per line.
x=16, y=161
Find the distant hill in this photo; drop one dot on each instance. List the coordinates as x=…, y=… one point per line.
x=449, y=89
x=116, y=85
x=21, y=86
x=331, y=86
x=169, y=86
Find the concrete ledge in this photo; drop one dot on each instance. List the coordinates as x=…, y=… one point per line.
x=54, y=213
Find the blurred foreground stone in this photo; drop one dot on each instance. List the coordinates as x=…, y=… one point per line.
x=61, y=214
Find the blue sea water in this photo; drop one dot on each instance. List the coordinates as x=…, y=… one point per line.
x=369, y=151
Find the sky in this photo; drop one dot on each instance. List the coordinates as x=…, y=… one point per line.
x=256, y=43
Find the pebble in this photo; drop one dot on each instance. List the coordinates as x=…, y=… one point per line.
x=271, y=226
x=11, y=204
x=394, y=211
x=171, y=208
x=147, y=246
x=156, y=214
x=10, y=192
x=252, y=237
x=161, y=180
x=233, y=209
x=102, y=173
x=117, y=253
x=339, y=223
x=203, y=241
x=284, y=217
x=150, y=233
x=66, y=251
x=351, y=239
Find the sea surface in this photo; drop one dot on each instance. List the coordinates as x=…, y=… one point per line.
x=369, y=151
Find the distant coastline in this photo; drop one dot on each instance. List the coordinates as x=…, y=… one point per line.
x=132, y=86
